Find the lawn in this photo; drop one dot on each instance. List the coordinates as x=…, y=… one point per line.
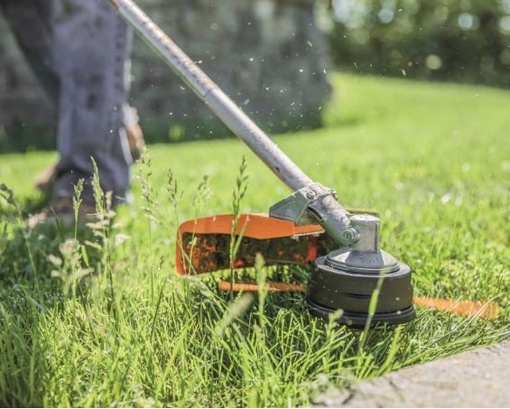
x=104, y=321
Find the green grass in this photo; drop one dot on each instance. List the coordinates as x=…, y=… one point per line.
x=434, y=159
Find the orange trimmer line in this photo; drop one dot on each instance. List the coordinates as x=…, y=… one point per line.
x=481, y=309
x=485, y=310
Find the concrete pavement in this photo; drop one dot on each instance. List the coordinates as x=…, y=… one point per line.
x=478, y=378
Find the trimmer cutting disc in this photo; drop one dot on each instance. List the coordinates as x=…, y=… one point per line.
x=331, y=289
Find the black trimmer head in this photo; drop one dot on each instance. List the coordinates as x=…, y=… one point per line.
x=352, y=279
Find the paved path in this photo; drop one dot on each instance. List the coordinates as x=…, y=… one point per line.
x=479, y=378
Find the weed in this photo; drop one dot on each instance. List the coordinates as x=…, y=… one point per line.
x=236, y=234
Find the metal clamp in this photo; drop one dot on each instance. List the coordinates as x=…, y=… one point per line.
x=317, y=204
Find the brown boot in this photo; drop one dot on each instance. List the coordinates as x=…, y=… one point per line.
x=45, y=180
x=61, y=212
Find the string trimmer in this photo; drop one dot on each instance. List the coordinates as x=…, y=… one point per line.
x=308, y=227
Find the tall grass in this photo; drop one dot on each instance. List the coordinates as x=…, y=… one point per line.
x=99, y=318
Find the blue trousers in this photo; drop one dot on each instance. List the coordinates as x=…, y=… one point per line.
x=79, y=50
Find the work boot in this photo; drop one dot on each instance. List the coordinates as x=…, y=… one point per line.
x=45, y=180
x=60, y=211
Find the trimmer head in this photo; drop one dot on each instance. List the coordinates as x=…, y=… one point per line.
x=332, y=288
x=365, y=282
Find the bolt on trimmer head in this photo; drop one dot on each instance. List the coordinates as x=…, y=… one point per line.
x=346, y=278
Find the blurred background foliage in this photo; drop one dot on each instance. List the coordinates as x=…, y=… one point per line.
x=455, y=40
x=466, y=41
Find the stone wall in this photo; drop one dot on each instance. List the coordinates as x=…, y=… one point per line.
x=25, y=114
x=267, y=55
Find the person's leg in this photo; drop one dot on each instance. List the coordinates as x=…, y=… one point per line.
x=91, y=49
x=33, y=24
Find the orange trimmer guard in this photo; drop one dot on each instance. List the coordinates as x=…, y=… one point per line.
x=204, y=244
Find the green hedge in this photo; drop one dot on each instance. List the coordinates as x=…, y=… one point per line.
x=454, y=40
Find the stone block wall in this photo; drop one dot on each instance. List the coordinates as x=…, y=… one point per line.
x=26, y=117
x=267, y=55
